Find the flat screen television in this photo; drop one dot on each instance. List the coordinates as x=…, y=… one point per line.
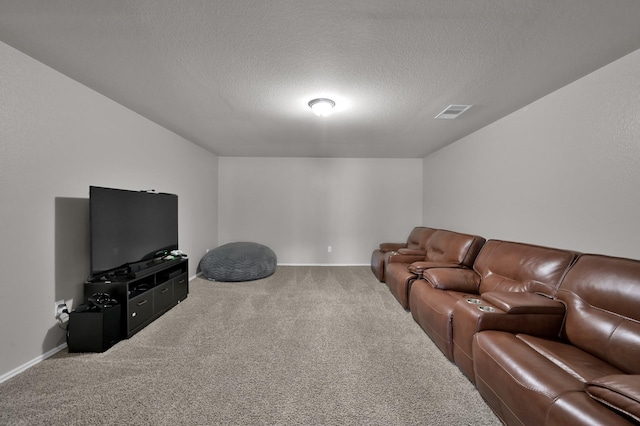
x=130, y=228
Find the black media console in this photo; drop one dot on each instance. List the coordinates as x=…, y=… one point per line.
x=146, y=294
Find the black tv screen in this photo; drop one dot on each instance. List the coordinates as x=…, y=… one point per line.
x=130, y=227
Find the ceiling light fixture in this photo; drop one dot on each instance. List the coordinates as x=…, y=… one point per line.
x=322, y=106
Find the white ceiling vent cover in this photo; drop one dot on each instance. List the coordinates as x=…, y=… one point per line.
x=452, y=111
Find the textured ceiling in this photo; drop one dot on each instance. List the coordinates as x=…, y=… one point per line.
x=235, y=76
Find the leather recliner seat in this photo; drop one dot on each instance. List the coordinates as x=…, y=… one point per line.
x=444, y=249
x=451, y=305
x=415, y=247
x=586, y=370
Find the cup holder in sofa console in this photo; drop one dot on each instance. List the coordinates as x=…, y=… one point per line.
x=486, y=308
x=474, y=301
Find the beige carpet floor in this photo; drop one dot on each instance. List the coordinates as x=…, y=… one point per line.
x=306, y=346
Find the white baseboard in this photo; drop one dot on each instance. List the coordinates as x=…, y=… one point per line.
x=323, y=264
x=23, y=367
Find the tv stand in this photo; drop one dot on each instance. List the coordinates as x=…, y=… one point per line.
x=151, y=266
x=145, y=294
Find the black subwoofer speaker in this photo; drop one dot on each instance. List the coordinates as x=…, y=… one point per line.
x=94, y=330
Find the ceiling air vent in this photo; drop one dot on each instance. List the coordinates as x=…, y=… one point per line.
x=452, y=111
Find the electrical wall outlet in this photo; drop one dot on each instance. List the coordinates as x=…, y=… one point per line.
x=60, y=306
x=329, y=248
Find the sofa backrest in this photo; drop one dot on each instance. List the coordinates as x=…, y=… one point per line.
x=427, y=233
x=453, y=247
x=602, y=297
x=511, y=266
x=418, y=237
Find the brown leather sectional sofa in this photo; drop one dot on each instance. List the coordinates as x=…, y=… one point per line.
x=548, y=336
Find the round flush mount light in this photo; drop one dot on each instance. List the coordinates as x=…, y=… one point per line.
x=322, y=106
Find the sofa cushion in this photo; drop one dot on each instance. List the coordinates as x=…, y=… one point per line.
x=419, y=267
x=519, y=383
x=578, y=408
x=418, y=237
x=524, y=386
x=454, y=279
x=573, y=361
x=512, y=266
x=453, y=247
x=413, y=252
x=495, y=282
x=602, y=295
x=620, y=392
x=386, y=247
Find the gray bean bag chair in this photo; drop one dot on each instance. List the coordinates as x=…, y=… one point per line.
x=238, y=262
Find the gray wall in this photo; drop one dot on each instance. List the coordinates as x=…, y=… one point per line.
x=300, y=206
x=57, y=137
x=563, y=171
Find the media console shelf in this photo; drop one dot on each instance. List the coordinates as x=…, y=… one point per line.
x=146, y=296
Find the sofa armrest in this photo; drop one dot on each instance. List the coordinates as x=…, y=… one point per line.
x=451, y=278
x=516, y=312
x=421, y=266
x=414, y=252
x=385, y=247
x=526, y=313
x=523, y=303
x=403, y=258
x=620, y=392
